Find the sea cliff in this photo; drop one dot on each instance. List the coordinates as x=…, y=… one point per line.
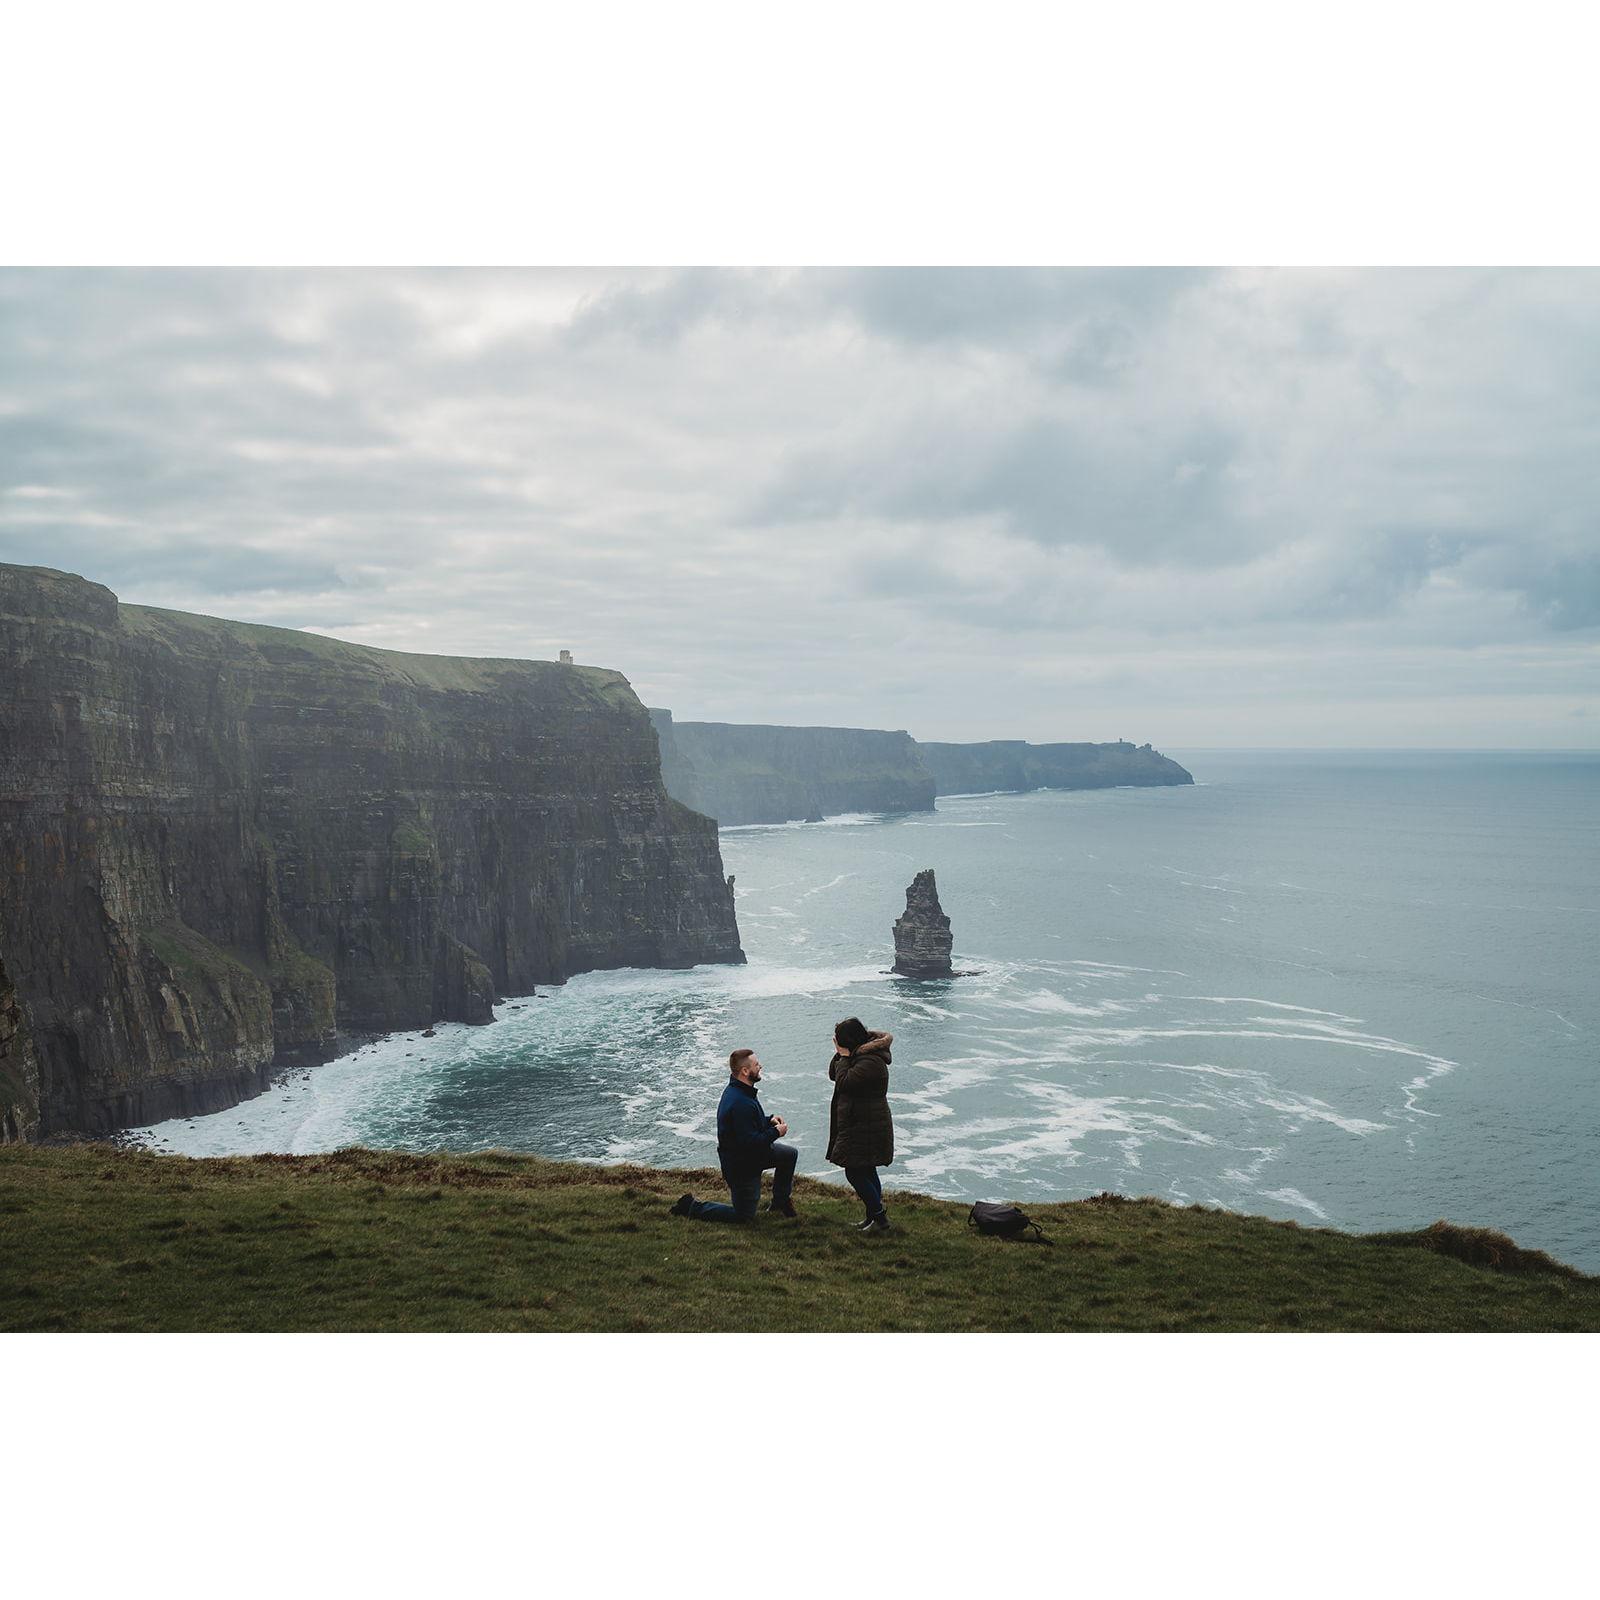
x=19, y=1068
x=750, y=772
x=221, y=845
x=1017, y=765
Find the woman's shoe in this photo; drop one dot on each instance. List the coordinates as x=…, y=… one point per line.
x=877, y=1224
x=785, y=1210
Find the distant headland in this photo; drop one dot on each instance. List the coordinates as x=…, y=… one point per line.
x=743, y=773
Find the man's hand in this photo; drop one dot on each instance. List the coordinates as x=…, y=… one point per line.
x=780, y=1125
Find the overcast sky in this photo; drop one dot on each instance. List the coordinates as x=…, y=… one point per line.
x=1197, y=508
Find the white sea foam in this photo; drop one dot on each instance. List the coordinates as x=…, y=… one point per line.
x=1265, y=1155
x=1046, y=1000
x=1293, y=1197
x=1276, y=1005
x=1209, y=1068
x=1109, y=966
x=845, y=819
x=832, y=883
x=1316, y=1111
x=926, y=1008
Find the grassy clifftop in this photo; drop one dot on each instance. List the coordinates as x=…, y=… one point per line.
x=100, y=1239
x=376, y=668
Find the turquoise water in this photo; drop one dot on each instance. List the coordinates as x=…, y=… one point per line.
x=1347, y=988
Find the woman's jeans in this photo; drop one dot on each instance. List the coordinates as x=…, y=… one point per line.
x=864, y=1180
x=744, y=1188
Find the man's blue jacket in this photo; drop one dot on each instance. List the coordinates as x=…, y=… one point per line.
x=744, y=1136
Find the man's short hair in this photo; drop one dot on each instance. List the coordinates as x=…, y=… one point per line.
x=738, y=1059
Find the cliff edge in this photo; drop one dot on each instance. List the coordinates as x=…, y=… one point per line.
x=223, y=844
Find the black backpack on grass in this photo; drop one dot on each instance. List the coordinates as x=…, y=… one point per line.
x=1000, y=1221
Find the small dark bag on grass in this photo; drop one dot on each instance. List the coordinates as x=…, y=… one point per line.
x=1003, y=1221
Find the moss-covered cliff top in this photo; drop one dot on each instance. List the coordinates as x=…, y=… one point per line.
x=100, y=1239
x=31, y=591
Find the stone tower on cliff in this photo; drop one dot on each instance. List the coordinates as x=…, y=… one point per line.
x=922, y=941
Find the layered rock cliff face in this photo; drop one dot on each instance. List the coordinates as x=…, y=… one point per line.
x=748, y=772
x=1015, y=764
x=19, y=1068
x=222, y=844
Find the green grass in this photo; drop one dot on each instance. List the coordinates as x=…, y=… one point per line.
x=95, y=1238
x=410, y=839
x=191, y=955
x=463, y=673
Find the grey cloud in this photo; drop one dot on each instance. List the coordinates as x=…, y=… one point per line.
x=993, y=582
x=1569, y=598
x=131, y=564
x=1561, y=589
x=1086, y=319
x=1140, y=497
x=664, y=307
x=1080, y=319
x=804, y=494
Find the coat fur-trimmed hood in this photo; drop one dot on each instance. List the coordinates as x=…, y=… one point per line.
x=875, y=1044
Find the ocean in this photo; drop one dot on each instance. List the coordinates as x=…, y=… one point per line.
x=1356, y=989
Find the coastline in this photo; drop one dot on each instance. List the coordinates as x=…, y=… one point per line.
x=144, y=1135
x=284, y=1082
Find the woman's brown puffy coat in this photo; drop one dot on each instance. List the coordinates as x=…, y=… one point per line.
x=860, y=1129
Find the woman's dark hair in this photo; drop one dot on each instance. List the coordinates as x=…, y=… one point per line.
x=850, y=1034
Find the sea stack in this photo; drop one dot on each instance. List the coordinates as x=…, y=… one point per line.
x=922, y=936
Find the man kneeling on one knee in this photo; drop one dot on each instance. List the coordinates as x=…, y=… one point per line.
x=747, y=1144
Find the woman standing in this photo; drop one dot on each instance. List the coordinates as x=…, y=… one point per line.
x=860, y=1129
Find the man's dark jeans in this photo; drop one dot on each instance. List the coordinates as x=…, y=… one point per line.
x=866, y=1183
x=745, y=1188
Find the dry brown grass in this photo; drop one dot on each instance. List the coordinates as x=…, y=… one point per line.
x=1482, y=1247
